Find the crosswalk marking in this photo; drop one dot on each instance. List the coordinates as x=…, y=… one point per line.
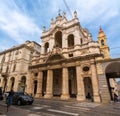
x=82, y=108
x=87, y=105
x=63, y=112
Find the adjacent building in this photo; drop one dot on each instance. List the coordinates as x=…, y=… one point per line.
x=14, y=64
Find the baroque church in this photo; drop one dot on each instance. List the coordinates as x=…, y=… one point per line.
x=69, y=64
x=67, y=67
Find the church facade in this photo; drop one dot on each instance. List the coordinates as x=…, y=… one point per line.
x=67, y=65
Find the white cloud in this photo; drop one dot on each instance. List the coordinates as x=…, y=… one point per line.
x=17, y=25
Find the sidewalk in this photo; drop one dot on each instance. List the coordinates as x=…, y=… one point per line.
x=13, y=111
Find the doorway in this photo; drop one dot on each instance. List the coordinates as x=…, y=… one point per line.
x=88, y=88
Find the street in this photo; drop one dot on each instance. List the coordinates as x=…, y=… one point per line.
x=55, y=107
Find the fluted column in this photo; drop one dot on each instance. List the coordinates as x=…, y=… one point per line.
x=49, y=89
x=80, y=85
x=65, y=84
x=96, y=95
x=39, y=85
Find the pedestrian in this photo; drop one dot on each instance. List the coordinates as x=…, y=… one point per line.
x=115, y=97
x=9, y=99
x=1, y=94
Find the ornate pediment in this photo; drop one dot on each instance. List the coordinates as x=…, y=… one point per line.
x=55, y=55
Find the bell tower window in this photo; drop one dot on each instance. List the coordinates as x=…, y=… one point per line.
x=102, y=42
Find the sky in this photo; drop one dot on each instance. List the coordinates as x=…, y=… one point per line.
x=22, y=20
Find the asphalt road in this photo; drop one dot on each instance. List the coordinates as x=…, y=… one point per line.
x=55, y=107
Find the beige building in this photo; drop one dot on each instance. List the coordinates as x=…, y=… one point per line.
x=14, y=63
x=68, y=64
x=66, y=67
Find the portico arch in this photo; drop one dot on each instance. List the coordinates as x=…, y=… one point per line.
x=112, y=72
x=22, y=84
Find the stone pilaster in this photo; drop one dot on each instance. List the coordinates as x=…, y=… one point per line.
x=65, y=84
x=16, y=84
x=39, y=85
x=8, y=86
x=96, y=95
x=49, y=89
x=80, y=85
x=2, y=83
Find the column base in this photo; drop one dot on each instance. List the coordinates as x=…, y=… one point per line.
x=38, y=95
x=80, y=98
x=48, y=95
x=65, y=96
x=97, y=99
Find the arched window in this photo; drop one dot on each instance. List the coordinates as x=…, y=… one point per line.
x=102, y=42
x=70, y=40
x=58, y=39
x=46, y=47
x=14, y=67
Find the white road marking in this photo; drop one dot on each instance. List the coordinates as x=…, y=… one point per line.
x=63, y=112
x=87, y=105
x=37, y=108
x=87, y=109
x=33, y=115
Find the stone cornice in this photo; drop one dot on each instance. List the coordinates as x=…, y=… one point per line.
x=71, y=60
x=16, y=48
x=108, y=60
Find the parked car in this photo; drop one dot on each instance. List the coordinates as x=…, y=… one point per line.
x=21, y=98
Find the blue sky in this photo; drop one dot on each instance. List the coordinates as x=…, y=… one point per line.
x=22, y=20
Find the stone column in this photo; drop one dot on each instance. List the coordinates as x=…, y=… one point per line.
x=29, y=83
x=80, y=85
x=49, y=88
x=95, y=86
x=65, y=84
x=39, y=85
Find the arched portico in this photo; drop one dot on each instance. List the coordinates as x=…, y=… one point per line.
x=22, y=84
x=112, y=72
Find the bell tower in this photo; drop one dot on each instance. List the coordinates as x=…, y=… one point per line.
x=103, y=44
